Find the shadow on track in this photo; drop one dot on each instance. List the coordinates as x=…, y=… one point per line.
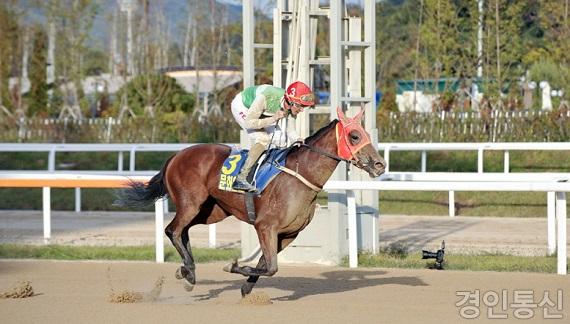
x=330, y=282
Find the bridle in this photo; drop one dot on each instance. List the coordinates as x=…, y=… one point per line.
x=340, y=128
x=345, y=151
x=324, y=153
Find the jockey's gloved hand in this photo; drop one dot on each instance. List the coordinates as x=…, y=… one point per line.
x=280, y=114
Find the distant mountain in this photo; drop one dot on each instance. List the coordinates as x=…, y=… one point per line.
x=176, y=12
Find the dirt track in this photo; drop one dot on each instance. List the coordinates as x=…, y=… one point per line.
x=517, y=236
x=77, y=292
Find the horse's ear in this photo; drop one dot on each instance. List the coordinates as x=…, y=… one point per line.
x=341, y=115
x=358, y=116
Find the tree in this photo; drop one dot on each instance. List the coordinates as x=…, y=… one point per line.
x=168, y=96
x=73, y=21
x=10, y=51
x=553, y=17
x=396, y=32
x=503, y=44
x=38, y=95
x=449, y=33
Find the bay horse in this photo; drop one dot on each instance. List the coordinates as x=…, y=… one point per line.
x=190, y=178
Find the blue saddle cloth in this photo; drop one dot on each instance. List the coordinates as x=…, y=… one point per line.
x=265, y=171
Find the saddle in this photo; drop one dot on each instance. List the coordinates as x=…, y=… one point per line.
x=266, y=169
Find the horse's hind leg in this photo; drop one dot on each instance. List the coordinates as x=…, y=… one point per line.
x=177, y=232
x=209, y=213
x=187, y=271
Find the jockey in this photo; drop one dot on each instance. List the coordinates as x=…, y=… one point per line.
x=258, y=110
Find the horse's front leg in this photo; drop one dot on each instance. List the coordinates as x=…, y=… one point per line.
x=247, y=287
x=267, y=235
x=252, y=280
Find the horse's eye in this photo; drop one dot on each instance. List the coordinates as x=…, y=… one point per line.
x=354, y=136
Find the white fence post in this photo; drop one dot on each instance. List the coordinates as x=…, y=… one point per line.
x=159, y=224
x=506, y=162
x=561, y=216
x=46, y=200
x=51, y=159
x=166, y=211
x=120, y=161
x=387, y=158
x=132, y=160
x=352, y=239
x=480, y=160
x=212, y=236
x=77, y=200
x=451, y=203
x=424, y=161
x=551, y=221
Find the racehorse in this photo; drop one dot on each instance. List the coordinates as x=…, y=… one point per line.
x=190, y=178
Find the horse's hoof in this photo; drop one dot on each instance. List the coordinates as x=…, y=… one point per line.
x=246, y=290
x=178, y=273
x=228, y=267
x=188, y=286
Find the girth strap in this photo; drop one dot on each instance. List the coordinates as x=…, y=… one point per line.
x=250, y=207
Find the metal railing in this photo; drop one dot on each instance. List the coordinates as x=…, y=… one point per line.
x=558, y=189
x=479, y=147
x=430, y=181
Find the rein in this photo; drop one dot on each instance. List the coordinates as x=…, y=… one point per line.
x=327, y=154
x=316, y=150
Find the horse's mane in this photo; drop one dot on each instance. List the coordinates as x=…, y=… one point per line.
x=320, y=132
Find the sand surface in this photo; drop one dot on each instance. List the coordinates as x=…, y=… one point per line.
x=78, y=292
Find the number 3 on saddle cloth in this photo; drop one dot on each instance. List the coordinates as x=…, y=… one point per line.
x=264, y=172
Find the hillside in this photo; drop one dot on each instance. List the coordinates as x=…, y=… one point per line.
x=176, y=12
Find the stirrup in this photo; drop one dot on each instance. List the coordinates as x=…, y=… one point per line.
x=243, y=186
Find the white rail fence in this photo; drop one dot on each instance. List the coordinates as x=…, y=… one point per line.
x=132, y=149
x=481, y=148
x=559, y=189
x=427, y=181
x=120, y=149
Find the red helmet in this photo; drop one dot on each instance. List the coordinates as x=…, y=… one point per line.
x=300, y=93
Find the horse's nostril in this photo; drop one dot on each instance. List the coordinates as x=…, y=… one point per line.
x=378, y=165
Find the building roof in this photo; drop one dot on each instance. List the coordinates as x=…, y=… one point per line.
x=206, y=80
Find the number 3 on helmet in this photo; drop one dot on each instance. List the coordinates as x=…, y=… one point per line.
x=300, y=94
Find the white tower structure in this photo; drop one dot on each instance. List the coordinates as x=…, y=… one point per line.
x=350, y=60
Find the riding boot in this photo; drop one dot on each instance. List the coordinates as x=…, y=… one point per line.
x=241, y=182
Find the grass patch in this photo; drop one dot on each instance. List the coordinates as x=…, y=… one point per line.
x=392, y=258
x=495, y=204
x=130, y=253
x=485, y=262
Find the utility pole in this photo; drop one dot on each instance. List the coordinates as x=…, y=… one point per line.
x=497, y=22
x=129, y=6
x=480, y=42
x=115, y=57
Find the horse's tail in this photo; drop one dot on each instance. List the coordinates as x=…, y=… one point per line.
x=140, y=195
